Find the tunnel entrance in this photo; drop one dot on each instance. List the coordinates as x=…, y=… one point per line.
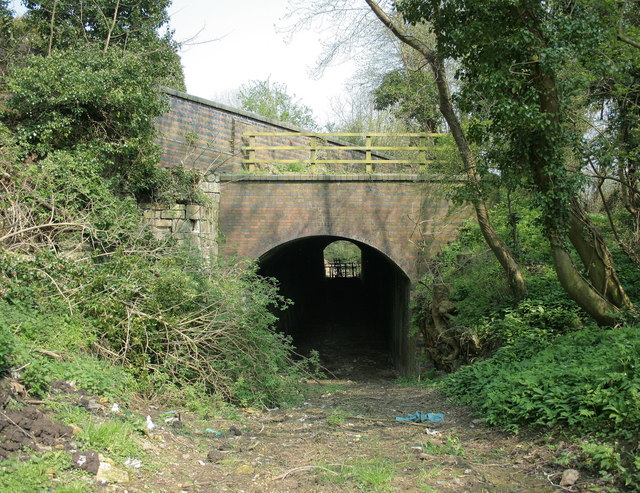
x=350, y=304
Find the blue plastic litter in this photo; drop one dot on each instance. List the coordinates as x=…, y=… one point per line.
x=420, y=417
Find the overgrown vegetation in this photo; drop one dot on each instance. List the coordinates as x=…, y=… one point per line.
x=538, y=363
x=87, y=294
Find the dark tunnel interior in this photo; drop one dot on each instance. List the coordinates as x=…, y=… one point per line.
x=358, y=324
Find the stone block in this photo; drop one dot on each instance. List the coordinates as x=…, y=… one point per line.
x=182, y=226
x=210, y=187
x=193, y=211
x=162, y=224
x=173, y=214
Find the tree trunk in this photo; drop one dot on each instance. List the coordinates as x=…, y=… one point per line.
x=52, y=24
x=596, y=258
x=578, y=288
x=112, y=27
x=604, y=295
x=499, y=248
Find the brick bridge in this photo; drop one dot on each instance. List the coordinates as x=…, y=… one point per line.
x=284, y=221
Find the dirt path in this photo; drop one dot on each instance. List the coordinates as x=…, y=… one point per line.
x=326, y=444
x=343, y=438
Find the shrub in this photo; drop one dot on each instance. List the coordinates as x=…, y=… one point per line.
x=588, y=380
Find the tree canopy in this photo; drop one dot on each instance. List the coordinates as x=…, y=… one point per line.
x=271, y=100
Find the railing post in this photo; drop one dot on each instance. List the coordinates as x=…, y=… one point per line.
x=251, y=161
x=312, y=153
x=422, y=153
x=369, y=163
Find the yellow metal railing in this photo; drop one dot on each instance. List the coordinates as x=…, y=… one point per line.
x=315, y=142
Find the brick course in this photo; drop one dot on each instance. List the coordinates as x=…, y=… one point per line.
x=397, y=217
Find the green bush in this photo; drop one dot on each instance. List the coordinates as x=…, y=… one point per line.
x=90, y=374
x=588, y=380
x=532, y=321
x=52, y=328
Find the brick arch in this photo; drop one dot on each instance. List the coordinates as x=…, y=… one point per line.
x=401, y=216
x=266, y=250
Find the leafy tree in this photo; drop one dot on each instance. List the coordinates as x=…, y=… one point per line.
x=517, y=58
x=613, y=153
x=271, y=100
x=410, y=94
x=132, y=26
x=477, y=193
x=90, y=84
x=85, y=98
x=6, y=21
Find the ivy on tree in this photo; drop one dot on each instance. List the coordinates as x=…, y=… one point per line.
x=520, y=62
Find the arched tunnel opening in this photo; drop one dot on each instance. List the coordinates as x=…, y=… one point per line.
x=354, y=311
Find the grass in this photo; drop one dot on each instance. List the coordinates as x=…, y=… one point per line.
x=51, y=471
x=427, y=477
x=371, y=474
x=450, y=446
x=428, y=379
x=337, y=417
x=114, y=437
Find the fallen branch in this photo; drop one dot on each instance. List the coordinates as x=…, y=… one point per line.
x=26, y=433
x=50, y=353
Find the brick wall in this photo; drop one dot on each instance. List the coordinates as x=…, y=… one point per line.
x=202, y=134
x=399, y=215
x=396, y=214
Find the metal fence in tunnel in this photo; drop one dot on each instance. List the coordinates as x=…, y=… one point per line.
x=337, y=269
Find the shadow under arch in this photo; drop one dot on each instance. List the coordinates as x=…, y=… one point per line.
x=360, y=325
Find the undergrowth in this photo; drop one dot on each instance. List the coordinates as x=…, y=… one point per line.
x=542, y=363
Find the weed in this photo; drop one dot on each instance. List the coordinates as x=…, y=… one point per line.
x=296, y=168
x=427, y=477
x=337, y=417
x=565, y=459
x=426, y=379
x=114, y=437
x=373, y=474
x=36, y=474
x=450, y=446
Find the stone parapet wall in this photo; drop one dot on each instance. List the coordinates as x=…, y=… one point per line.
x=193, y=225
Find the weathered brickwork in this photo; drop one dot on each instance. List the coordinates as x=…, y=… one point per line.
x=202, y=134
x=399, y=215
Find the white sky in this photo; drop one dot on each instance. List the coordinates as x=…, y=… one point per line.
x=249, y=48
